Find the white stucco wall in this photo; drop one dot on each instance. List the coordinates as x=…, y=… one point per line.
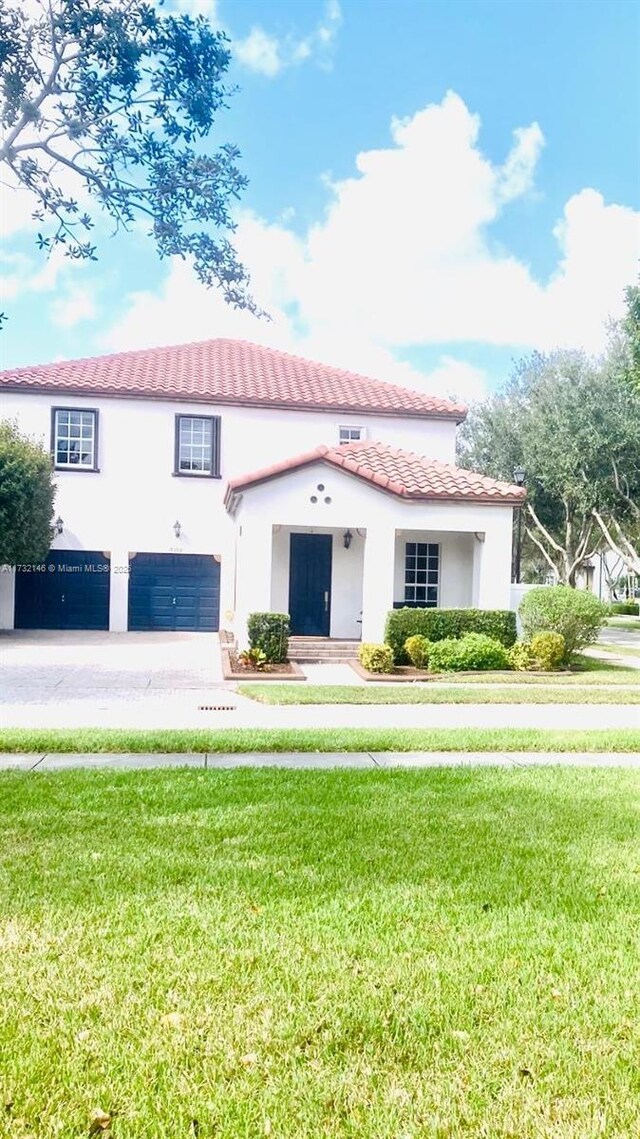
x=133, y=501
x=475, y=540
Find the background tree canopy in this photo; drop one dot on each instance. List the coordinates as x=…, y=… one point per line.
x=574, y=424
x=26, y=498
x=103, y=103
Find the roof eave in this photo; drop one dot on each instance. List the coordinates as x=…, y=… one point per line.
x=458, y=416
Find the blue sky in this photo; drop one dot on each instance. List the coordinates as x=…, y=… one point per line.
x=435, y=189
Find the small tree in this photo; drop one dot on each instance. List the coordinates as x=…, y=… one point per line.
x=26, y=498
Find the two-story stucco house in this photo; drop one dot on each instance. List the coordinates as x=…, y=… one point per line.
x=199, y=483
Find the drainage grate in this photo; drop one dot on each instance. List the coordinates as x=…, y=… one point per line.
x=216, y=707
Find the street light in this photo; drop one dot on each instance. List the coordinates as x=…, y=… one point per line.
x=519, y=475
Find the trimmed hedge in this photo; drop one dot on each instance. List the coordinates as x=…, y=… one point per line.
x=441, y=624
x=269, y=632
x=624, y=609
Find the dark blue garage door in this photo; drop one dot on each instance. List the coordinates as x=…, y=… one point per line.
x=69, y=590
x=174, y=591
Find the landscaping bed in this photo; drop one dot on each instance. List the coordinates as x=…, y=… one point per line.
x=233, y=669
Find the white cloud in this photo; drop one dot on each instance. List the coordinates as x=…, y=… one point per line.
x=77, y=305
x=267, y=54
x=404, y=258
x=260, y=52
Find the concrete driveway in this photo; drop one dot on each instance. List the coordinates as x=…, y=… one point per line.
x=87, y=679
x=69, y=661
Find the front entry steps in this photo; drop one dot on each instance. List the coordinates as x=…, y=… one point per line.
x=314, y=650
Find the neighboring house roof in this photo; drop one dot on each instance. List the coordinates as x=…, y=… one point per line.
x=229, y=372
x=410, y=476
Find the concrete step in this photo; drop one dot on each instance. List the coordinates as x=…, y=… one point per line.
x=309, y=650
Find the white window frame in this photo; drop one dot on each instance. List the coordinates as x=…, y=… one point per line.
x=348, y=428
x=208, y=452
x=412, y=573
x=80, y=436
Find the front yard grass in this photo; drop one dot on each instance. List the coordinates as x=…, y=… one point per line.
x=627, y=623
x=245, y=740
x=231, y=955
x=432, y=694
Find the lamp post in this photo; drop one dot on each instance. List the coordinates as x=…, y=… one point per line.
x=519, y=475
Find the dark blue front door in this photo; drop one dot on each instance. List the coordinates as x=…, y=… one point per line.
x=69, y=590
x=310, y=584
x=174, y=591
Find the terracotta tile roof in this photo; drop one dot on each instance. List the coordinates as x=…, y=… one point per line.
x=403, y=473
x=229, y=372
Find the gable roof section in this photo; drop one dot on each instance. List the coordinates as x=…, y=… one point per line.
x=411, y=477
x=230, y=372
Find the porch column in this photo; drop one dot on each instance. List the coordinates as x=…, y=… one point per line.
x=492, y=566
x=253, y=583
x=377, y=581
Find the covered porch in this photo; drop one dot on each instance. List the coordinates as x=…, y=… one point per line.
x=340, y=582
x=337, y=538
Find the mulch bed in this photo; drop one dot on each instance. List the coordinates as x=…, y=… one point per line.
x=233, y=669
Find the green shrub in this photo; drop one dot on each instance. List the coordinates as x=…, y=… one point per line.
x=468, y=653
x=417, y=649
x=376, y=658
x=441, y=624
x=253, y=659
x=548, y=650
x=445, y=655
x=624, y=609
x=574, y=613
x=521, y=658
x=269, y=632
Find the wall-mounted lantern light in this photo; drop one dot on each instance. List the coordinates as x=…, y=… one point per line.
x=347, y=538
x=177, y=529
x=59, y=525
x=519, y=475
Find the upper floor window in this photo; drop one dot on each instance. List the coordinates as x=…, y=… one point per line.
x=75, y=438
x=422, y=574
x=197, y=446
x=351, y=434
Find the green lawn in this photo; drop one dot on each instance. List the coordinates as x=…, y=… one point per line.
x=431, y=694
x=340, y=955
x=626, y=623
x=315, y=740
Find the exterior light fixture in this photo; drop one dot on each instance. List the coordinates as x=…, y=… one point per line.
x=177, y=528
x=59, y=525
x=347, y=539
x=519, y=475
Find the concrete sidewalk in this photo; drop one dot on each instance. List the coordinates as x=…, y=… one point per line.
x=52, y=761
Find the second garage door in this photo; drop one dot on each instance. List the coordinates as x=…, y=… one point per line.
x=174, y=592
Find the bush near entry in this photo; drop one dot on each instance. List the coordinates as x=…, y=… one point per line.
x=442, y=624
x=577, y=615
x=548, y=650
x=471, y=652
x=417, y=649
x=376, y=658
x=269, y=632
x=624, y=609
